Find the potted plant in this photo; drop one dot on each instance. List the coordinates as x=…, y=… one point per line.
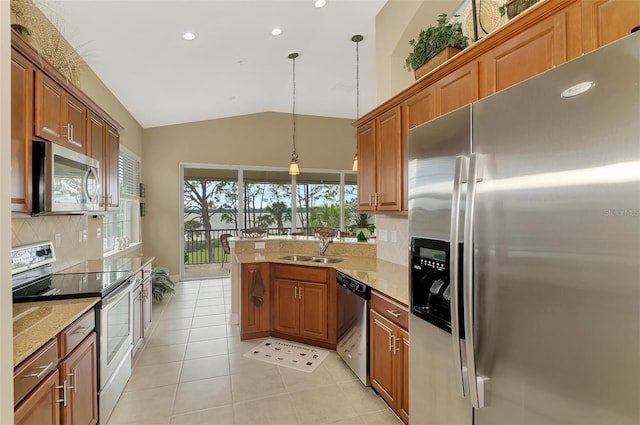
x=361, y=227
x=435, y=45
x=161, y=283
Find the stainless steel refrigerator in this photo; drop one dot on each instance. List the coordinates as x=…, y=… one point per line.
x=538, y=187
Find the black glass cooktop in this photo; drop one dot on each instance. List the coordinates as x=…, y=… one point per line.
x=69, y=285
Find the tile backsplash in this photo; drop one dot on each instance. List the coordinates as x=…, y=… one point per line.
x=392, y=238
x=68, y=233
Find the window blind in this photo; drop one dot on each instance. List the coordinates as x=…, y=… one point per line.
x=129, y=175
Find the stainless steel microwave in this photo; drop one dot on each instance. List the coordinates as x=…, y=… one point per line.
x=64, y=181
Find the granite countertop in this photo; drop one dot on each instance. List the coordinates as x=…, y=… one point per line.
x=35, y=323
x=122, y=264
x=383, y=276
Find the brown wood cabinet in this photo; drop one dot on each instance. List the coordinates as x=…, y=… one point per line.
x=103, y=145
x=255, y=321
x=544, y=36
x=59, y=117
x=58, y=383
x=389, y=353
x=22, y=74
x=381, y=153
x=300, y=308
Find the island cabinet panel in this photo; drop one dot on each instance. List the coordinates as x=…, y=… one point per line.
x=605, y=21
x=313, y=310
x=41, y=406
x=22, y=74
x=457, y=89
x=286, y=309
x=366, y=139
x=255, y=320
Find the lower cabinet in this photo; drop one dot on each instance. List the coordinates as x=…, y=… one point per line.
x=300, y=308
x=142, y=306
x=255, y=317
x=58, y=383
x=389, y=353
x=137, y=320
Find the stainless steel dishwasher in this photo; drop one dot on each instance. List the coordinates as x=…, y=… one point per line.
x=353, y=324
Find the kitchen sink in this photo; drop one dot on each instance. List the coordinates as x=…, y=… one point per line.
x=324, y=260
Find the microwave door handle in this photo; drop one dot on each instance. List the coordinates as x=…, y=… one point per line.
x=476, y=382
x=85, y=185
x=460, y=177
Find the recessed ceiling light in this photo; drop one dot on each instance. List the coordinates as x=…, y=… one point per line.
x=320, y=3
x=276, y=31
x=189, y=36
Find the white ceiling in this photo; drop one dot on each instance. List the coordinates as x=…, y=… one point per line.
x=234, y=66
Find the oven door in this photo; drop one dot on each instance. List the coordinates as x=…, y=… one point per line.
x=116, y=330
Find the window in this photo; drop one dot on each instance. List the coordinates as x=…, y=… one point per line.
x=122, y=228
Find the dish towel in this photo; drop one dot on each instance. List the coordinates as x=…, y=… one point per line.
x=257, y=290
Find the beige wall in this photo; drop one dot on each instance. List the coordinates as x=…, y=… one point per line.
x=263, y=139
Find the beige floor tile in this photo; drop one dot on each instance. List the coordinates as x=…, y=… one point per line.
x=151, y=406
x=237, y=346
x=356, y=420
x=362, y=398
x=208, y=332
x=210, y=320
x=218, y=415
x=233, y=330
x=202, y=394
x=209, y=310
x=161, y=354
x=297, y=380
x=212, y=347
x=209, y=302
x=241, y=364
x=207, y=295
x=189, y=296
x=384, y=417
x=338, y=368
x=322, y=405
x=151, y=376
x=179, y=304
x=255, y=385
x=174, y=324
x=205, y=367
x=178, y=313
x=276, y=410
x=167, y=337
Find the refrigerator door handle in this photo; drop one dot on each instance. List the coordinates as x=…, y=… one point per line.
x=459, y=177
x=476, y=383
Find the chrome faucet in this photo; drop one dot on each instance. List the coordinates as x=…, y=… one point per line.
x=324, y=244
x=325, y=234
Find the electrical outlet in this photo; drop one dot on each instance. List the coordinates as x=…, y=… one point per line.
x=80, y=236
x=394, y=236
x=85, y=234
x=58, y=240
x=259, y=245
x=99, y=233
x=382, y=235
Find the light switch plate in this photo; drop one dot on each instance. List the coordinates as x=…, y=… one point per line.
x=58, y=240
x=394, y=236
x=259, y=245
x=382, y=235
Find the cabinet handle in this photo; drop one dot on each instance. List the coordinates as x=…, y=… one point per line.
x=68, y=130
x=378, y=198
x=63, y=387
x=393, y=313
x=44, y=371
x=72, y=375
x=295, y=292
x=370, y=199
x=391, y=342
x=81, y=330
x=396, y=347
x=300, y=292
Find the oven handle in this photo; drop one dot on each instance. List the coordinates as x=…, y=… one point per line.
x=460, y=177
x=117, y=295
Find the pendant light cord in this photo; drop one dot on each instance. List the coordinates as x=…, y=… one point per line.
x=293, y=115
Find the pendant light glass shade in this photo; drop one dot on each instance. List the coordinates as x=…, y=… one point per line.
x=357, y=39
x=294, y=170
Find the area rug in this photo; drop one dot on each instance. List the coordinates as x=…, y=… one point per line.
x=289, y=354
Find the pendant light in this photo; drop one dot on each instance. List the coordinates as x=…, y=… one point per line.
x=294, y=170
x=357, y=39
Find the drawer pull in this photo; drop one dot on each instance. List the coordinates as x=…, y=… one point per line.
x=82, y=330
x=393, y=313
x=44, y=371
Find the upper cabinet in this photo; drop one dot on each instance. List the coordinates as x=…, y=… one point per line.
x=104, y=145
x=21, y=131
x=548, y=34
x=60, y=117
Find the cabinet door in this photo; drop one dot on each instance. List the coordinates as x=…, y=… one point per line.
x=96, y=148
x=366, y=136
x=254, y=318
x=111, y=180
x=137, y=319
x=381, y=357
x=80, y=371
x=21, y=131
x=76, y=114
x=50, y=107
x=285, y=306
x=390, y=150
x=457, y=89
x=312, y=298
x=402, y=374
x=41, y=406
x=147, y=306
x=419, y=109
x=604, y=21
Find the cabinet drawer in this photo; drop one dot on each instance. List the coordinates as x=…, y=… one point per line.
x=34, y=370
x=391, y=309
x=76, y=332
x=309, y=274
x=137, y=280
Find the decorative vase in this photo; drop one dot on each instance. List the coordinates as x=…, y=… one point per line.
x=437, y=60
x=515, y=7
x=362, y=234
